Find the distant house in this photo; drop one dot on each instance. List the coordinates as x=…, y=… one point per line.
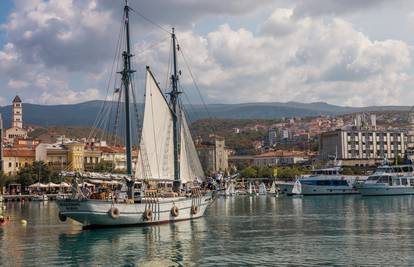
x=280, y=158
x=17, y=158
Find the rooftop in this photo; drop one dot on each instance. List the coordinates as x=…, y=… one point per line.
x=17, y=99
x=283, y=153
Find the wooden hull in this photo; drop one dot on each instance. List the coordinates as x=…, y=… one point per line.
x=97, y=213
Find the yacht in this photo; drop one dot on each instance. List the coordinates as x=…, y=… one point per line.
x=328, y=181
x=389, y=181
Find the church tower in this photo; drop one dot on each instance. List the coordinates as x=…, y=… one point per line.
x=17, y=113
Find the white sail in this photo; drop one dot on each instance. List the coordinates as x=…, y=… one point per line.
x=273, y=188
x=156, y=155
x=190, y=166
x=250, y=189
x=262, y=189
x=297, y=188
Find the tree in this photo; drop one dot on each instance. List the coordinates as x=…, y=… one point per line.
x=38, y=171
x=103, y=166
x=248, y=172
x=265, y=172
x=25, y=176
x=289, y=173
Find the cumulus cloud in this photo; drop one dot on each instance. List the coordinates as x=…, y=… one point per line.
x=69, y=96
x=335, y=7
x=312, y=60
x=57, y=50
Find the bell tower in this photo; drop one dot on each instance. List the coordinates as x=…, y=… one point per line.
x=17, y=113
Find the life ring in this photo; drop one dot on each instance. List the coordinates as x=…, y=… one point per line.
x=174, y=211
x=194, y=209
x=62, y=217
x=114, y=213
x=147, y=214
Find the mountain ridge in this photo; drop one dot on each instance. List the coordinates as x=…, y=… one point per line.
x=85, y=113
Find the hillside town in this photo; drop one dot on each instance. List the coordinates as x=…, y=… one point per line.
x=353, y=140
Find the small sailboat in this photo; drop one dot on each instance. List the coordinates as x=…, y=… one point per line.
x=297, y=188
x=272, y=189
x=262, y=189
x=250, y=191
x=230, y=190
x=166, y=184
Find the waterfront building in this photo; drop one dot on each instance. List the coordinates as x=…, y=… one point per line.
x=280, y=158
x=17, y=158
x=362, y=146
x=92, y=157
x=213, y=155
x=16, y=131
x=62, y=156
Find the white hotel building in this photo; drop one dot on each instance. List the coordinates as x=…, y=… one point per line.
x=363, y=147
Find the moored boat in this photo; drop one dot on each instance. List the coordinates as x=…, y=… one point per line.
x=168, y=168
x=327, y=181
x=389, y=181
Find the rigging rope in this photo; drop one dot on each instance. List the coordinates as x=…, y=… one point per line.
x=149, y=20
x=104, y=103
x=196, y=86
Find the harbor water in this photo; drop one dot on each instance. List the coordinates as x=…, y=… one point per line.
x=237, y=231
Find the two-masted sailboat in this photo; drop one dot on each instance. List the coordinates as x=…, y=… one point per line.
x=165, y=186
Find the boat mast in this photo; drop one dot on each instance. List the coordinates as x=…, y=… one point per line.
x=126, y=79
x=174, y=94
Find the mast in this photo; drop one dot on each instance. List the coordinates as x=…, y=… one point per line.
x=174, y=94
x=126, y=79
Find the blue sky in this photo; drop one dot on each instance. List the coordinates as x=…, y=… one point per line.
x=353, y=52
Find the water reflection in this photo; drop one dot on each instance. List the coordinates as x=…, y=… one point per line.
x=170, y=244
x=258, y=230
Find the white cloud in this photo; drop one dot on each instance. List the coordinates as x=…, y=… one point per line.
x=314, y=60
x=68, y=96
x=58, y=49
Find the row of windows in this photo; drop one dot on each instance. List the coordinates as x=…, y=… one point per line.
x=18, y=164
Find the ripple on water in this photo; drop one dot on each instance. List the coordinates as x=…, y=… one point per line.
x=335, y=230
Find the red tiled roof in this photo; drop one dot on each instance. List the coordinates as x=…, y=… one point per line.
x=23, y=153
x=283, y=153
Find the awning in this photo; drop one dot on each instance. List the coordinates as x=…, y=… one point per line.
x=50, y=184
x=38, y=185
x=63, y=184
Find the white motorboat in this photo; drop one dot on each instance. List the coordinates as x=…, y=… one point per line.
x=389, y=181
x=40, y=198
x=327, y=181
x=168, y=163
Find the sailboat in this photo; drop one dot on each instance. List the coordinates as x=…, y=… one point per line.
x=297, y=188
x=250, y=189
x=262, y=189
x=272, y=189
x=167, y=159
